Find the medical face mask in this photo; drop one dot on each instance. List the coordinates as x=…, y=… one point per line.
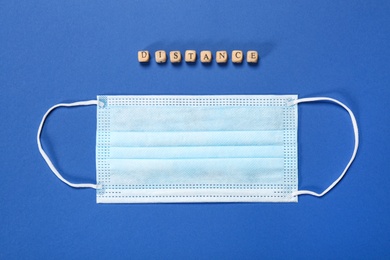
x=231, y=148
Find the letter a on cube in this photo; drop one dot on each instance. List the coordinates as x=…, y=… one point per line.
x=206, y=56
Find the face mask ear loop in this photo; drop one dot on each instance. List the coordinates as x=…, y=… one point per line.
x=46, y=157
x=356, y=132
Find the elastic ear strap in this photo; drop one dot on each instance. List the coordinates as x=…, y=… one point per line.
x=356, y=132
x=43, y=153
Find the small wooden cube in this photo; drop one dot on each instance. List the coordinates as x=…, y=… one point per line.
x=206, y=56
x=221, y=56
x=190, y=56
x=143, y=56
x=252, y=56
x=175, y=56
x=161, y=56
x=237, y=56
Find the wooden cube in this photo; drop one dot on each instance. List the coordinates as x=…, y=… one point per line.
x=252, y=56
x=190, y=56
x=175, y=56
x=206, y=56
x=237, y=56
x=221, y=56
x=161, y=56
x=143, y=56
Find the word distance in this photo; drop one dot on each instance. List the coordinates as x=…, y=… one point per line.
x=190, y=56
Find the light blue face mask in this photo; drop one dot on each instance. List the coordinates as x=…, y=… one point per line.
x=197, y=148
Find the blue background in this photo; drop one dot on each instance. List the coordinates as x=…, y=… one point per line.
x=74, y=50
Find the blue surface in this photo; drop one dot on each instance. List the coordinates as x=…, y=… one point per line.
x=74, y=50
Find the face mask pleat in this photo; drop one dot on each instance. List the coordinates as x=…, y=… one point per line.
x=197, y=138
x=197, y=152
x=178, y=171
x=195, y=118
